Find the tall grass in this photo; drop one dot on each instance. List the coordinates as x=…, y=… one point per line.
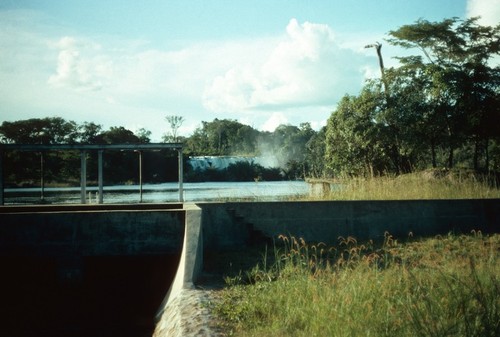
x=445, y=286
x=423, y=185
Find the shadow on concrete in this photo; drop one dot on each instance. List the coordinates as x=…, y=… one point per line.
x=116, y=296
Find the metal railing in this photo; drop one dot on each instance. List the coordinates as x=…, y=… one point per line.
x=84, y=148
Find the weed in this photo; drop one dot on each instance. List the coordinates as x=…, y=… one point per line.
x=442, y=286
x=422, y=185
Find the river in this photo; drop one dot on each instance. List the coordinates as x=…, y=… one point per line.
x=166, y=192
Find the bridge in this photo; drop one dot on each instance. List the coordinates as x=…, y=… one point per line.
x=83, y=149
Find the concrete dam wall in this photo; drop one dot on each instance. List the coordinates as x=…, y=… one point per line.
x=91, y=233
x=86, y=270
x=227, y=225
x=85, y=244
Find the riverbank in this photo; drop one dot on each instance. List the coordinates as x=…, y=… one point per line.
x=428, y=184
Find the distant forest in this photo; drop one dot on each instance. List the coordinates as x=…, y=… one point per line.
x=440, y=108
x=287, y=144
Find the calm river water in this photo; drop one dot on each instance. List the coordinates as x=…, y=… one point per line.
x=167, y=192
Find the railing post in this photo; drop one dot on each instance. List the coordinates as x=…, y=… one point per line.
x=42, y=178
x=83, y=176
x=140, y=176
x=1, y=178
x=100, y=176
x=181, y=176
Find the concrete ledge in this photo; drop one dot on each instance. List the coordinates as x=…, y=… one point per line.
x=190, y=263
x=229, y=225
x=91, y=233
x=87, y=207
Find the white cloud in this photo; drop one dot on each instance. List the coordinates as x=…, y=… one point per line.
x=274, y=121
x=306, y=68
x=275, y=80
x=488, y=10
x=262, y=81
x=317, y=125
x=80, y=65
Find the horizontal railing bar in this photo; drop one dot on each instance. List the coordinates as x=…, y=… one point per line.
x=86, y=147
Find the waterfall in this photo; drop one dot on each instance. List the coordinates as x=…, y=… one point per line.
x=221, y=162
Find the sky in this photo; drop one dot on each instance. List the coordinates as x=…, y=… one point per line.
x=262, y=62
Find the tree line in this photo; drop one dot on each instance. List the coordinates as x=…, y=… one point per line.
x=437, y=108
x=286, y=145
x=440, y=108
x=63, y=167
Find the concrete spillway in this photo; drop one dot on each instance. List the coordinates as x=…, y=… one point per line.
x=107, y=270
x=86, y=270
x=117, y=296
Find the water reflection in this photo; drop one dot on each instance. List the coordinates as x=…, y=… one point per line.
x=167, y=192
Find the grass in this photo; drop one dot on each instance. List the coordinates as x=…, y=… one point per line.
x=444, y=286
x=431, y=184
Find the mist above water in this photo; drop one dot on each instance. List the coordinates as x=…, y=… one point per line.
x=223, y=162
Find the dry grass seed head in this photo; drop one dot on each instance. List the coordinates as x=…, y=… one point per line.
x=477, y=234
x=283, y=238
x=351, y=239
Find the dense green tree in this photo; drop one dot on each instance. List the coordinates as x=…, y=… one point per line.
x=462, y=85
x=88, y=133
x=119, y=166
x=118, y=135
x=245, y=141
x=355, y=141
x=198, y=143
x=26, y=166
x=438, y=108
x=50, y=130
x=315, y=154
x=143, y=136
x=289, y=148
x=222, y=137
x=286, y=144
x=412, y=121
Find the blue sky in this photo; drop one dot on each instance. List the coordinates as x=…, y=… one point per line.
x=263, y=63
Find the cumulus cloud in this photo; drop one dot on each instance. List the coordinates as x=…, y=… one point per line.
x=128, y=71
x=306, y=67
x=80, y=66
x=159, y=71
x=290, y=78
x=488, y=10
x=276, y=119
x=269, y=81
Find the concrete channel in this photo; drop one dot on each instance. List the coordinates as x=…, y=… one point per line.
x=160, y=248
